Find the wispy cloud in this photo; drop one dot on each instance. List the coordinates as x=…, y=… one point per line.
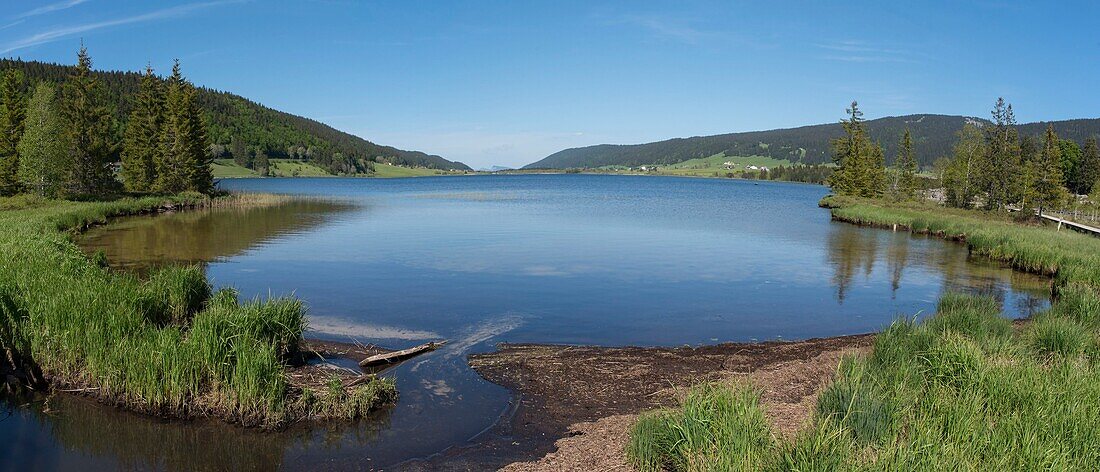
x=668, y=28
x=859, y=51
x=50, y=8
x=63, y=32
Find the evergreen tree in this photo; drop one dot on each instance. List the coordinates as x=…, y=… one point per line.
x=142, y=140
x=261, y=164
x=183, y=163
x=1071, y=162
x=12, y=113
x=861, y=169
x=1045, y=184
x=88, y=129
x=905, y=181
x=1000, y=170
x=1089, y=170
x=240, y=153
x=44, y=149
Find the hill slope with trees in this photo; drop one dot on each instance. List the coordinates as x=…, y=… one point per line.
x=244, y=130
x=932, y=138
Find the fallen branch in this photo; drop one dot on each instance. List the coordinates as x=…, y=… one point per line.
x=403, y=354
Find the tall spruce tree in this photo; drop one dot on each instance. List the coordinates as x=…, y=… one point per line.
x=88, y=125
x=860, y=163
x=12, y=113
x=1000, y=170
x=142, y=140
x=183, y=163
x=44, y=149
x=905, y=181
x=1045, y=183
x=1089, y=171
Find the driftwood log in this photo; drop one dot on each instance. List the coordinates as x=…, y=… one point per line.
x=395, y=356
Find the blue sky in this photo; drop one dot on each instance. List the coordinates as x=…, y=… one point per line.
x=509, y=82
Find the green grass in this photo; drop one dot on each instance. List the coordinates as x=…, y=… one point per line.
x=226, y=168
x=392, y=171
x=165, y=345
x=961, y=390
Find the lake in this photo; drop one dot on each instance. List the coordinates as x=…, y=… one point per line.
x=477, y=260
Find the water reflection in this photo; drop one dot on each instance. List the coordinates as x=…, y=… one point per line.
x=854, y=251
x=66, y=432
x=199, y=236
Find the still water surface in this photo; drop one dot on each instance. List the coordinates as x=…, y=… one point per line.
x=608, y=260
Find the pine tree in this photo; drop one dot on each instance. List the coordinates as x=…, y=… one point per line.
x=44, y=149
x=905, y=182
x=183, y=163
x=1000, y=170
x=1089, y=170
x=88, y=128
x=1045, y=183
x=240, y=153
x=12, y=114
x=261, y=164
x=142, y=140
x=860, y=164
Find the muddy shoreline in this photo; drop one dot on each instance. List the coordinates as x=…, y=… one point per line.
x=573, y=405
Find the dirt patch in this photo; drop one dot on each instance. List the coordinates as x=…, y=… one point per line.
x=575, y=404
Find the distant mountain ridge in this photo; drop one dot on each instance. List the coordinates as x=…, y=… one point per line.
x=933, y=137
x=229, y=115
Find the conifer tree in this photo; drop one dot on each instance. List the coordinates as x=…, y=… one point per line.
x=1089, y=171
x=183, y=163
x=142, y=140
x=1000, y=170
x=12, y=113
x=44, y=149
x=1045, y=183
x=88, y=130
x=905, y=183
x=860, y=164
x=261, y=164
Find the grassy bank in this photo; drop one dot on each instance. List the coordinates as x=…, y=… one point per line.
x=167, y=345
x=227, y=169
x=962, y=389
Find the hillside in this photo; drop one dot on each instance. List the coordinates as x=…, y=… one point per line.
x=280, y=135
x=933, y=136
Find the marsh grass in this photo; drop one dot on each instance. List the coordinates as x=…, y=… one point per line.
x=960, y=390
x=164, y=345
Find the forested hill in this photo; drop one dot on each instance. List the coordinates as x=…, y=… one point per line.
x=232, y=118
x=933, y=137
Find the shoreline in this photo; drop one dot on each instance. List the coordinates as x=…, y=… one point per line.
x=573, y=405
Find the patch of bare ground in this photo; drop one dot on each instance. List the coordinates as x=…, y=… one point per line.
x=588, y=397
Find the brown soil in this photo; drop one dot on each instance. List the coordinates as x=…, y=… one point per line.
x=586, y=398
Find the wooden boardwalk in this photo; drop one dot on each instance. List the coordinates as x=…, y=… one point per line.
x=1076, y=226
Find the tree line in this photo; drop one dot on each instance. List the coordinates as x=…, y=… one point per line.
x=992, y=165
x=256, y=128
x=62, y=141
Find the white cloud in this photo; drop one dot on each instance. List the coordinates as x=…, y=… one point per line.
x=63, y=32
x=50, y=8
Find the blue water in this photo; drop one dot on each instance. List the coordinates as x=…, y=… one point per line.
x=608, y=260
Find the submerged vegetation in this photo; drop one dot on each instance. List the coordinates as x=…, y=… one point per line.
x=962, y=389
x=168, y=344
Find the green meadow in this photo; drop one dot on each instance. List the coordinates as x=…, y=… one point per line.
x=963, y=389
